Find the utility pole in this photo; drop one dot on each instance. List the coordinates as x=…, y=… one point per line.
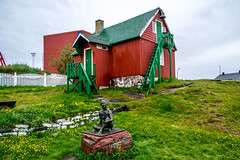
x=177, y=72
x=33, y=55
x=220, y=69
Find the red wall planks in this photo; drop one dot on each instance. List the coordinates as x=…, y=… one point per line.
x=126, y=59
x=55, y=41
x=101, y=59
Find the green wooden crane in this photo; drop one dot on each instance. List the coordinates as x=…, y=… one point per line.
x=164, y=40
x=84, y=82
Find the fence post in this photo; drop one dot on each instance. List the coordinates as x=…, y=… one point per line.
x=45, y=80
x=15, y=79
x=1, y=79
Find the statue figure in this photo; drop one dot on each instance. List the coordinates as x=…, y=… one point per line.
x=106, y=119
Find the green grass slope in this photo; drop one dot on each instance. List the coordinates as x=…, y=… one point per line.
x=198, y=122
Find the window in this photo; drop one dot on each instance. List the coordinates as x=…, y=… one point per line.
x=162, y=58
x=103, y=47
x=154, y=27
x=164, y=29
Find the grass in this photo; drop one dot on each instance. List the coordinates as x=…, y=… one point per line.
x=21, y=69
x=198, y=122
x=36, y=105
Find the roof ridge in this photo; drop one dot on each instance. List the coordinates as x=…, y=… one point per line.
x=134, y=17
x=123, y=31
x=128, y=29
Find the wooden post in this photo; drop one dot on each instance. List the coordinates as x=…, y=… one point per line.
x=15, y=79
x=45, y=80
x=170, y=62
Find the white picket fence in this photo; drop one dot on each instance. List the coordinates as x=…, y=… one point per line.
x=32, y=79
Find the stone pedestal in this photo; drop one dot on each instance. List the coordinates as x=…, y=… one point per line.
x=92, y=143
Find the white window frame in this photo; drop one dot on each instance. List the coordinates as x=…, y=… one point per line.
x=84, y=61
x=162, y=58
x=154, y=27
x=164, y=29
x=100, y=46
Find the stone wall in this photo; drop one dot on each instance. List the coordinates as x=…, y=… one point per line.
x=129, y=81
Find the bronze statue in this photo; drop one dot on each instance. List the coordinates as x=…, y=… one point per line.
x=106, y=119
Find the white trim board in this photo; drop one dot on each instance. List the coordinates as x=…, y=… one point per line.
x=84, y=59
x=80, y=35
x=149, y=22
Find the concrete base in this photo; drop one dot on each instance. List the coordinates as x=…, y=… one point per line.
x=107, y=144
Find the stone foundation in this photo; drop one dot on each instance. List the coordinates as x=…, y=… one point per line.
x=130, y=81
x=107, y=144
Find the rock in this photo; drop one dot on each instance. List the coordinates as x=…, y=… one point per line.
x=61, y=121
x=72, y=126
x=86, y=115
x=70, y=158
x=95, y=114
x=31, y=129
x=63, y=127
x=15, y=129
x=10, y=133
x=0, y=134
x=40, y=128
x=107, y=144
x=21, y=126
x=23, y=130
x=82, y=123
x=67, y=123
x=129, y=81
x=5, y=130
x=22, y=133
x=56, y=126
x=77, y=118
x=48, y=125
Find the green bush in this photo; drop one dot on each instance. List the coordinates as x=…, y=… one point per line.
x=21, y=69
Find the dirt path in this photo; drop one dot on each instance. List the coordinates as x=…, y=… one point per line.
x=172, y=90
x=138, y=96
x=134, y=94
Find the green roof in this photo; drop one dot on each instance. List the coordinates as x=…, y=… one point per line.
x=127, y=30
x=98, y=40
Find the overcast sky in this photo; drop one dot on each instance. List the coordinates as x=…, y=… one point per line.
x=207, y=32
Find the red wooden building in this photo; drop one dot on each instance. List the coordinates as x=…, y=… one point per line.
x=55, y=41
x=123, y=54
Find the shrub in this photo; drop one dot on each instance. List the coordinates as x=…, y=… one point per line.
x=21, y=69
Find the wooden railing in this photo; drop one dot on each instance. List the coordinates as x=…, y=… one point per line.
x=85, y=82
x=164, y=41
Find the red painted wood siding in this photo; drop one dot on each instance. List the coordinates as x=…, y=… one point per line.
x=148, y=43
x=102, y=61
x=147, y=48
x=126, y=59
x=55, y=41
x=149, y=34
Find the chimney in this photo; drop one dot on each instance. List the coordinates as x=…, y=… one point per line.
x=99, y=26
